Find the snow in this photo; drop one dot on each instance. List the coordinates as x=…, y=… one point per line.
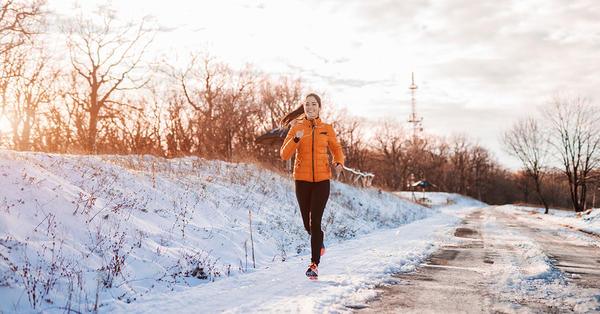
x=440, y=199
x=588, y=221
x=524, y=273
x=139, y=233
x=349, y=271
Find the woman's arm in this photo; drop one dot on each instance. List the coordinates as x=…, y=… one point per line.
x=335, y=147
x=289, y=144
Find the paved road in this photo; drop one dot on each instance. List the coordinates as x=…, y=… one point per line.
x=487, y=271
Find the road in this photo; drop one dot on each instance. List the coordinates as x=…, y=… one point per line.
x=501, y=262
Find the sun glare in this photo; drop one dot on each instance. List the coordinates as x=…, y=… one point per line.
x=4, y=124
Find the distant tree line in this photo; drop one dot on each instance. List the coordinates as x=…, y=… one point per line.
x=562, y=146
x=96, y=94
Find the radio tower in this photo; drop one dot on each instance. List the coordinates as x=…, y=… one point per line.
x=417, y=127
x=416, y=121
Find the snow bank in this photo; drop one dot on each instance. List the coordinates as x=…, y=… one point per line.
x=588, y=221
x=523, y=270
x=441, y=199
x=86, y=232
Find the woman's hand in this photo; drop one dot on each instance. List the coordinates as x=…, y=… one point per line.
x=338, y=167
x=299, y=133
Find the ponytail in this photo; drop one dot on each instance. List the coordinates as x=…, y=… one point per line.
x=292, y=115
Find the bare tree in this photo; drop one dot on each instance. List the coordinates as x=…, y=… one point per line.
x=203, y=84
x=179, y=134
x=418, y=152
x=11, y=68
x=133, y=131
x=33, y=89
x=225, y=111
x=350, y=132
x=480, y=165
x=275, y=97
x=575, y=135
x=436, y=168
x=106, y=56
x=527, y=141
x=18, y=22
x=279, y=97
x=390, y=142
x=459, y=181
x=237, y=114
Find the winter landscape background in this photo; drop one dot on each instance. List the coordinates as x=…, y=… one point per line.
x=132, y=178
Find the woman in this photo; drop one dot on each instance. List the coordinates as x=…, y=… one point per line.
x=309, y=139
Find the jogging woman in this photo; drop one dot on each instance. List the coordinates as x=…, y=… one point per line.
x=309, y=139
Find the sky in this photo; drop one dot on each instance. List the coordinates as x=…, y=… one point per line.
x=479, y=65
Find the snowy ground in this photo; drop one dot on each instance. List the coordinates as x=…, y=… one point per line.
x=588, y=220
x=503, y=260
x=439, y=199
x=143, y=234
x=532, y=271
x=127, y=234
x=349, y=271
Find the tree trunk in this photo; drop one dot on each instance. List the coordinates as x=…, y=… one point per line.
x=92, y=129
x=538, y=189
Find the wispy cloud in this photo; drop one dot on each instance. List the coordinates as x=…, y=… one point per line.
x=479, y=64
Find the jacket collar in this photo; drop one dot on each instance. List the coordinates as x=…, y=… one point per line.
x=317, y=121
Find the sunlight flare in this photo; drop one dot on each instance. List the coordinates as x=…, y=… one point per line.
x=4, y=124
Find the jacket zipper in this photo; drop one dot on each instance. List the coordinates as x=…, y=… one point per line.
x=313, y=150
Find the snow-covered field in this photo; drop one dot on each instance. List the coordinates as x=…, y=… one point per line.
x=131, y=233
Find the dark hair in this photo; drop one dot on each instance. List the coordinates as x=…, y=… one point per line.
x=298, y=111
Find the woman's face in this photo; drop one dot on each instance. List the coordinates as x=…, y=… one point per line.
x=311, y=107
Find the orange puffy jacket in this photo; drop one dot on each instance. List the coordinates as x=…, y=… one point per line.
x=312, y=162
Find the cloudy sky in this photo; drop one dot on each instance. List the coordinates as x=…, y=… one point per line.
x=479, y=65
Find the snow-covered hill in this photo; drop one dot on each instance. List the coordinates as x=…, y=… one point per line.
x=86, y=232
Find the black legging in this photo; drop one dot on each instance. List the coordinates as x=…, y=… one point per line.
x=312, y=199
